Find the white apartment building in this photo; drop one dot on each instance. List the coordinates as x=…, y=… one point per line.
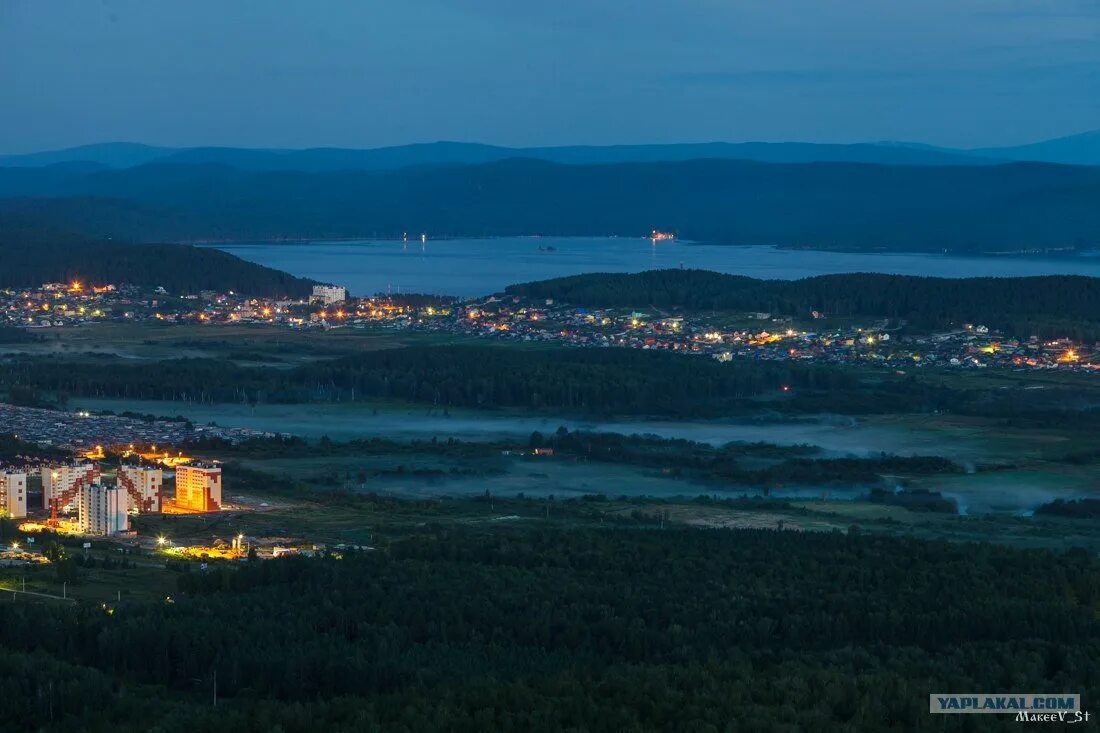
x=102, y=510
x=329, y=294
x=13, y=493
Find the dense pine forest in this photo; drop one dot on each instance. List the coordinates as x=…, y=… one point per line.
x=782, y=464
x=1076, y=508
x=579, y=629
x=555, y=380
x=607, y=381
x=1046, y=306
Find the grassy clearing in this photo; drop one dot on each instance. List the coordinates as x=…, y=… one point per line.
x=358, y=518
x=376, y=521
x=148, y=581
x=247, y=344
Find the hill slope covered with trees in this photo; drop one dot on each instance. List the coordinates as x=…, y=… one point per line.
x=1013, y=207
x=1054, y=305
x=31, y=254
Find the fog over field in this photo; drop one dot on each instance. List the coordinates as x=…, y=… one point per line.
x=1000, y=487
x=837, y=435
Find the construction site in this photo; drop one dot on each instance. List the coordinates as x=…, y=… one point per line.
x=86, y=496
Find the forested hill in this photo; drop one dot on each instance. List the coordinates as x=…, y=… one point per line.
x=31, y=255
x=474, y=625
x=1047, y=305
x=1022, y=206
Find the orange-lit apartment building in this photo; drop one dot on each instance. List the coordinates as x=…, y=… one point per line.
x=199, y=487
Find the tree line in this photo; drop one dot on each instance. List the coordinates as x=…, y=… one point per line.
x=561, y=380
x=607, y=381
x=739, y=464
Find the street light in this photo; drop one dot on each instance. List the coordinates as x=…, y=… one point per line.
x=162, y=541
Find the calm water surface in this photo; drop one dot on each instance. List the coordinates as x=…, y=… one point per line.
x=471, y=267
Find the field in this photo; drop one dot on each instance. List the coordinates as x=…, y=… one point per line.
x=961, y=438
x=365, y=519
x=1009, y=470
x=319, y=501
x=248, y=344
x=147, y=581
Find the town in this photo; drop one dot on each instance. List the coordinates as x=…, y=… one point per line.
x=758, y=335
x=85, y=475
x=85, y=498
x=83, y=431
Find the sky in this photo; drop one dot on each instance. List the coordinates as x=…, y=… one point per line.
x=368, y=73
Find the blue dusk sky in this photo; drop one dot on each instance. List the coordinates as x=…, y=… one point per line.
x=366, y=73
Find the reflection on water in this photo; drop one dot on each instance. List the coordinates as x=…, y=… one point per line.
x=471, y=267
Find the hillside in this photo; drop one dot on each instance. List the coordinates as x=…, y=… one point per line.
x=115, y=155
x=819, y=205
x=1049, y=305
x=31, y=254
x=1083, y=149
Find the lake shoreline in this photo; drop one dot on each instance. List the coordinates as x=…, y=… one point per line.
x=1057, y=253
x=470, y=268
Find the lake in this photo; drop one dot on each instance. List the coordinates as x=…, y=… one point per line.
x=473, y=267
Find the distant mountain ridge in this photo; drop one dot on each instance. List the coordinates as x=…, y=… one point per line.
x=111, y=155
x=1083, y=149
x=840, y=206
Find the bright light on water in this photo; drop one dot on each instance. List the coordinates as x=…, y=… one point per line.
x=471, y=267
